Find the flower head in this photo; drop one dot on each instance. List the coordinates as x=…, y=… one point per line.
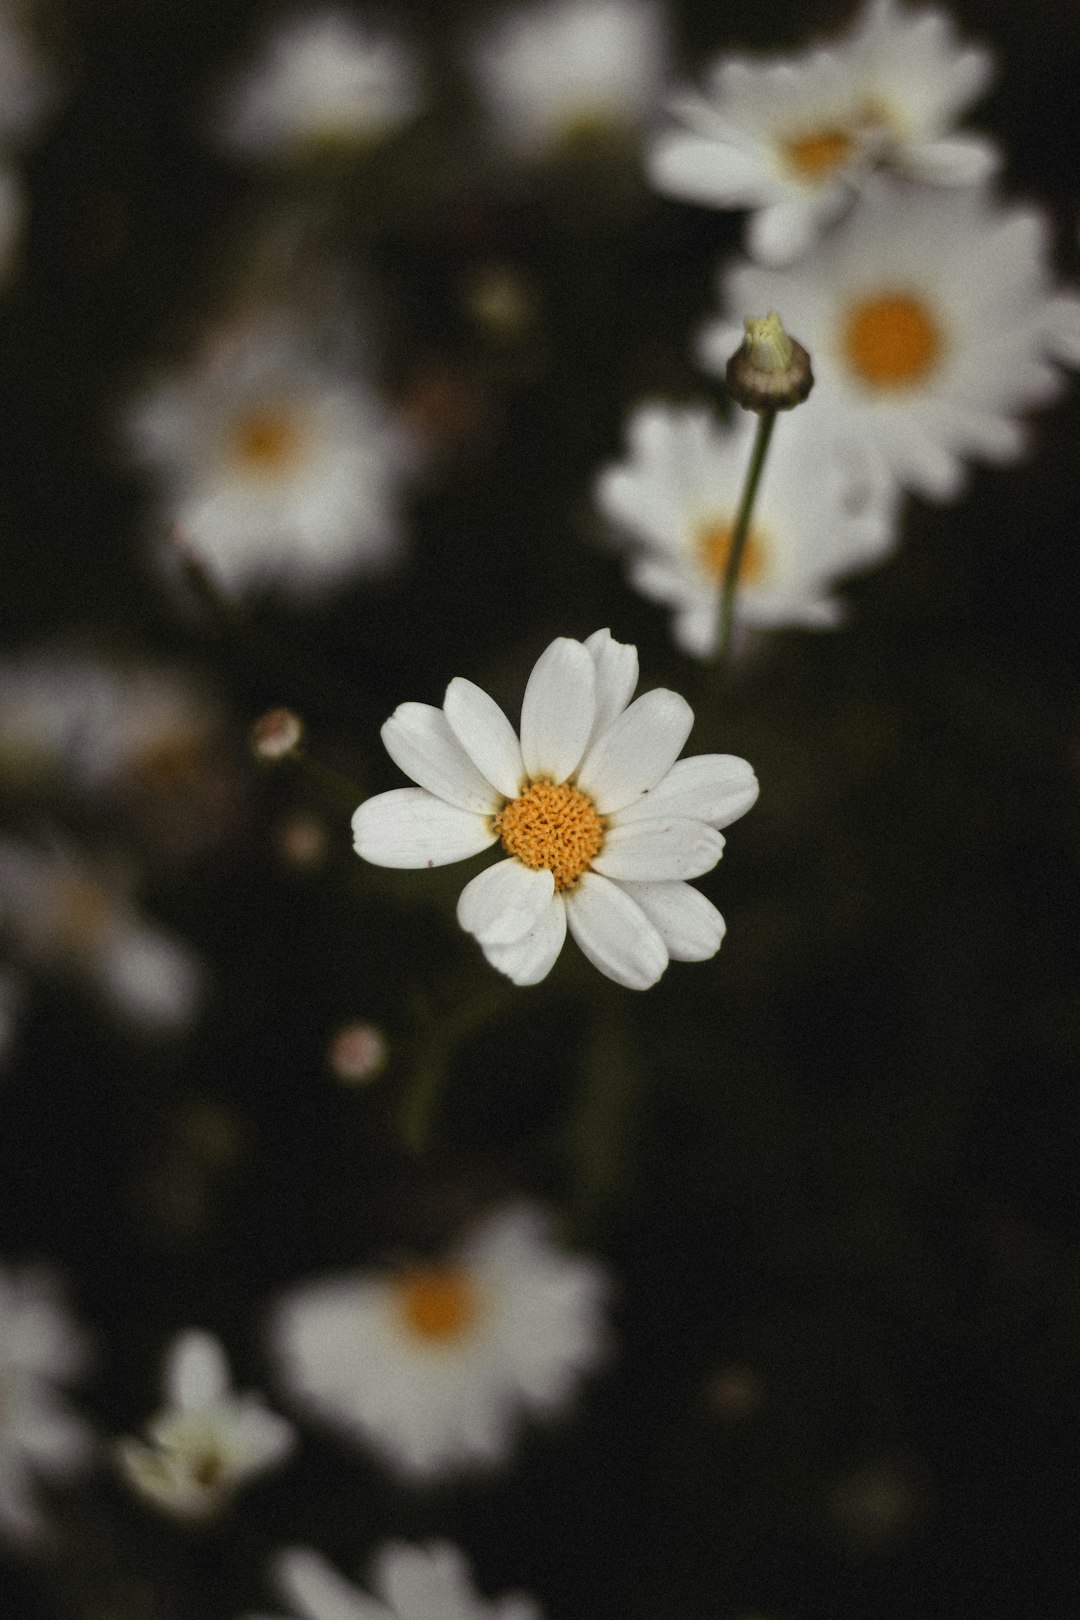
x=793, y=137
x=40, y=1350
x=277, y=469
x=600, y=822
x=564, y=74
x=673, y=502
x=410, y=1583
x=434, y=1363
x=324, y=83
x=208, y=1442
x=932, y=321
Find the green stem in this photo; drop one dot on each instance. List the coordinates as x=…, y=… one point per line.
x=766, y=422
x=328, y=781
x=437, y=1046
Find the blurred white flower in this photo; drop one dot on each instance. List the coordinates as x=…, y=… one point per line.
x=26, y=86
x=792, y=136
x=276, y=468
x=12, y=209
x=674, y=500
x=411, y=1583
x=931, y=321
x=601, y=822
x=557, y=74
x=435, y=1364
x=323, y=82
x=208, y=1442
x=40, y=1349
x=67, y=916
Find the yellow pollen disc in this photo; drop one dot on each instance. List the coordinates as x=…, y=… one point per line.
x=266, y=442
x=816, y=156
x=552, y=827
x=713, y=542
x=208, y=1470
x=892, y=341
x=438, y=1303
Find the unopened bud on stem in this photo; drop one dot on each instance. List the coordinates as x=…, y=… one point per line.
x=769, y=371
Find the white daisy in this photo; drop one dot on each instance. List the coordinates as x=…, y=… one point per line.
x=674, y=501
x=40, y=1350
x=276, y=468
x=931, y=320
x=601, y=823
x=559, y=74
x=69, y=917
x=209, y=1441
x=411, y=1583
x=435, y=1364
x=792, y=136
x=324, y=82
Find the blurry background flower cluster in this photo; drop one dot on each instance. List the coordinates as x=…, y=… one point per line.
x=348, y=349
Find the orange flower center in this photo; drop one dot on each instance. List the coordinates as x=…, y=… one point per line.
x=266, y=442
x=552, y=827
x=713, y=542
x=438, y=1303
x=892, y=341
x=820, y=154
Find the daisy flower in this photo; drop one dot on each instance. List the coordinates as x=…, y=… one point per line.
x=559, y=74
x=410, y=1583
x=434, y=1364
x=66, y=916
x=324, y=83
x=931, y=319
x=276, y=468
x=208, y=1442
x=793, y=137
x=674, y=500
x=600, y=822
x=41, y=1349
x=26, y=88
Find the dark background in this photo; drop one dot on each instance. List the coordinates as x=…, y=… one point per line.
x=840, y=1159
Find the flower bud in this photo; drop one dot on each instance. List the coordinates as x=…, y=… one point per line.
x=276, y=734
x=357, y=1053
x=769, y=371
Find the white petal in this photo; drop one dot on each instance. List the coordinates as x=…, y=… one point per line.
x=614, y=933
x=486, y=735
x=318, y=1591
x=715, y=172
x=717, y=788
x=504, y=901
x=418, y=737
x=532, y=957
x=196, y=1371
x=410, y=827
x=954, y=160
x=558, y=710
x=651, y=851
x=636, y=751
x=780, y=233
x=616, y=676
x=689, y=924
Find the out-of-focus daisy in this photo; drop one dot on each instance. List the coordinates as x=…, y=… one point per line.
x=276, y=468
x=410, y=1583
x=11, y=217
x=434, y=1364
x=208, y=1442
x=601, y=822
x=145, y=736
x=566, y=75
x=67, y=916
x=26, y=86
x=674, y=501
x=931, y=320
x=41, y=1349
x=791, y=137
x=324, y=83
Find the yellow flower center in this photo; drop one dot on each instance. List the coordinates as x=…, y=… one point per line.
x=266, y=442
x=818, y=155
x=891, y=341
x=552, y=827
x=438, y=1303
x=713, y=543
